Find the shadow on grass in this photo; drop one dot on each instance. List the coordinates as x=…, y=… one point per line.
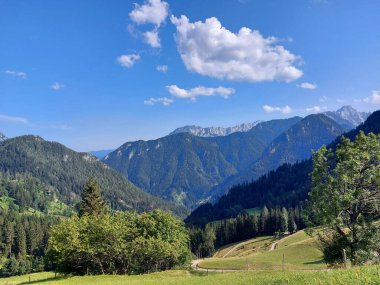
x=315, y=262
x=63, y=277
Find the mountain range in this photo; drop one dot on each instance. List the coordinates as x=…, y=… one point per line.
x=287, y=186
x=193, y=165
x=183, y=168
x=65, y=172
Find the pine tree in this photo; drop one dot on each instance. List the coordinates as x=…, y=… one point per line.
x=92, y=202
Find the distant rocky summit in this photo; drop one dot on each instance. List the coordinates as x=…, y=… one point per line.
x=215, y=131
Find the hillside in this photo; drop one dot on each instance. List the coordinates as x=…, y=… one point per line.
x=295, y=144
x=183, y=167
x=301, y=252
x=288, y=185
x=67, y=171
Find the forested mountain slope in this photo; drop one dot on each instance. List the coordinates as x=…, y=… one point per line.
x=183, y=167
x=295, y=144
x=67, y=171
x=286, y=186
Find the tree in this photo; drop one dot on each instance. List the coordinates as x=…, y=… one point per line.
x=345, y=195
x=92, y=202
x=119, y=243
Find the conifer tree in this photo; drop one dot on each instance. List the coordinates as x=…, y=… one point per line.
x=92, y=202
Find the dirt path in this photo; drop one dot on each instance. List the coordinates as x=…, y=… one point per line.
x=232, y=249
x=273, y=246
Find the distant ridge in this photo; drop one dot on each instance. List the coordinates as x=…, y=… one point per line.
x=215, y=131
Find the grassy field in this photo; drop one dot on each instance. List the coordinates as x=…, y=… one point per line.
x=301, y=252
x=357, y=276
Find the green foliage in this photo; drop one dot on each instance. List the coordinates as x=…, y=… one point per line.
x=346, y=194
x=92, y=202
x=119, y=243
x=65, y=172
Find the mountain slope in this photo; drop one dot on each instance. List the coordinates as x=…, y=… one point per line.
x=214, y=131
x=348, y=117
x=286, y=186
x=293, y=145
x=183, y=167
x=67, y=171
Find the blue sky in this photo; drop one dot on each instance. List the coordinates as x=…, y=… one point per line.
x=93, y=74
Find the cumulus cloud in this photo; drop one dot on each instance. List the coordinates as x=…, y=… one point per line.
x=162, y=68
x=163, y=100
x=12, y=119
x=151, y=12
x=307, y=85
x=270, y=109
x=18, y=74
x=199, y=91
x=210, y=49
x=57, y=86
x=374, y=98
x=128, y=60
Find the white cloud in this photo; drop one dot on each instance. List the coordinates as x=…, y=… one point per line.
x=12, y=119
x=152, y=39
x=315, y=109
x=163, y=100
x=210, y=49
x=340, y=100
x=374, y=98
x=57, y=86
x=128, y=60
x=307, y=85
x=19, y=74
x=162, y=68
x=199, y=91
x=285, y=110
x=151, y=12
x=323, y=99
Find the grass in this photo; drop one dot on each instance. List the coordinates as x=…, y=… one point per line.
x=358, y=276
x=301, y=252
x=251, y=246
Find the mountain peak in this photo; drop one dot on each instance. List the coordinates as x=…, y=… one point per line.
x=348, y=117
x=214, y=131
